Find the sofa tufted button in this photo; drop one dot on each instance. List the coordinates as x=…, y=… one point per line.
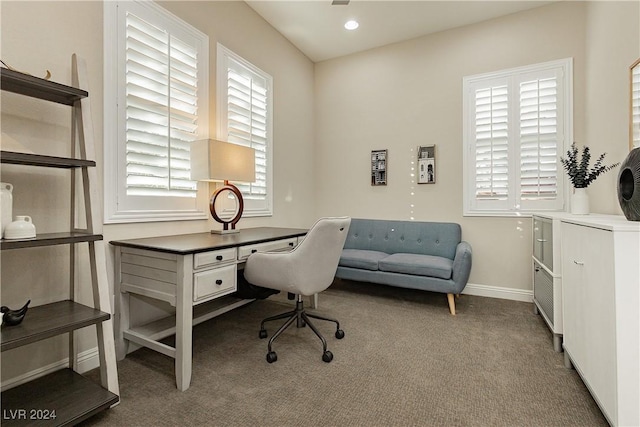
x=437, y=242
x=419, y=240
x=386, y=237
x=402, y=238
x=355, y=235
x=371, y=236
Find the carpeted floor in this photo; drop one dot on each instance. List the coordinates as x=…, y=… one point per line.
x=403, y=362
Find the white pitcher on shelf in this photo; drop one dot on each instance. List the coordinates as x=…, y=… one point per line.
x=6, y=206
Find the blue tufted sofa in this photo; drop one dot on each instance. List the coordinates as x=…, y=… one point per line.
x=420, y=255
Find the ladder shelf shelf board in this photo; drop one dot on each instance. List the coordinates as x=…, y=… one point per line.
x=35, y=87
x=30, y=159
x=62, y=398
x=49, y=320
x=50, y=239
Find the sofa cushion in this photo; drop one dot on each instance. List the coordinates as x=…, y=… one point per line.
x=418, y=265
x=408, y=237
x=359, y=258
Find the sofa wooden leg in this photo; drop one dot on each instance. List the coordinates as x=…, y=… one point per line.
x=452, y=304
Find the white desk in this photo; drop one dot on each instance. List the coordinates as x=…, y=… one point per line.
x=195, y=273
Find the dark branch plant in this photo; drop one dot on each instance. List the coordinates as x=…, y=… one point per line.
x=578, y=170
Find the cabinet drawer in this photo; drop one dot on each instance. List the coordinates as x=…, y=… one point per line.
x=213, y=257
x=245, y=251
x=214, y=283
x=537, y=237
x=543, y=241
x=543, y=291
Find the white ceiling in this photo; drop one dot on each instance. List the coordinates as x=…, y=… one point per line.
x=317, y=28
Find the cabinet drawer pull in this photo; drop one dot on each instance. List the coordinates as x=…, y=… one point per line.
x=291, y=244
x=253, y=251
x=219, y=257
x=541, y=240
x=218, y=282
x=578, y=262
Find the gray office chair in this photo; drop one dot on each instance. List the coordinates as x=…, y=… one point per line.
x=305, y=270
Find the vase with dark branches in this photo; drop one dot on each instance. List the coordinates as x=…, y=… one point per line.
x=582, y=175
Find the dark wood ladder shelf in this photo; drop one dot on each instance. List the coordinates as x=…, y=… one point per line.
x=24, y=84
x=50, y=239
x=68, y=396
x=28, y=159
x=49, y=320
x=63, y=397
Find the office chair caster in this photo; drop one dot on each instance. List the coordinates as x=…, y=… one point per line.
x=263, y=333
x=327, y=356
x=339, y=334
x=272, y=357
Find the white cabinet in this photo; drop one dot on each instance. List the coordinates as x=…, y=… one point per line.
x=547, y=272
x=601, y=310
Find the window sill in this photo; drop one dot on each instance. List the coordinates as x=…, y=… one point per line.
x=132, y=217
x=510, y=214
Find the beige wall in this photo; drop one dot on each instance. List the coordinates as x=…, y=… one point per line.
x=612, y=44
x=42, y=35
x=408, y=94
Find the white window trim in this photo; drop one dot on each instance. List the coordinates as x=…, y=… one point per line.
x=251, y=209
x=114, y=132
x=567, y=100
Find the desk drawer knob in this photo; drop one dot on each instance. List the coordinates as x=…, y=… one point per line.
x=253, y=251
x=291, y=244
x=218, y=282
x=219, y=257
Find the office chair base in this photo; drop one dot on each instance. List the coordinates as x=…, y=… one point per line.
x=302, y=319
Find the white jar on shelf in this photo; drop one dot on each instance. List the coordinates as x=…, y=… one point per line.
x=21, y=228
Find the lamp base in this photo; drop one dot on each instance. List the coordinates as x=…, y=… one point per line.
x=228, y=227
x=224, y=231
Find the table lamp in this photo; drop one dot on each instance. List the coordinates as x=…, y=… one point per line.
x=218, y=161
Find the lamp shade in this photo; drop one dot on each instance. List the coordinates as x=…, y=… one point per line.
x=213, y=160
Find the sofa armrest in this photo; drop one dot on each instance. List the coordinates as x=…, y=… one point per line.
x=462, y=265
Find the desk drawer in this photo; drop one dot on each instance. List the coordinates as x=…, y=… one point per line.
x=213, y=257
x=245, y=251
x=214, y=283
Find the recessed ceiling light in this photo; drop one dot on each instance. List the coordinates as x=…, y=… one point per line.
x=351, y=25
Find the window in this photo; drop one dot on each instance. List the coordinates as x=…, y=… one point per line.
x=516, y=124
x=245, y=101
x=156, y=104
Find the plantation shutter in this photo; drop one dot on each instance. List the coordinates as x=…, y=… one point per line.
x=247, y=121
x=539, y=139
x=491, y=125
x=515, y=125
x=161, y=112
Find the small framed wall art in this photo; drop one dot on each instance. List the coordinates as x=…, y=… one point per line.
x=427, y=164
x=379, y=167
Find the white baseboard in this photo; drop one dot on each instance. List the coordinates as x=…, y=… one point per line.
x=498, y=292
x=87, y=360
